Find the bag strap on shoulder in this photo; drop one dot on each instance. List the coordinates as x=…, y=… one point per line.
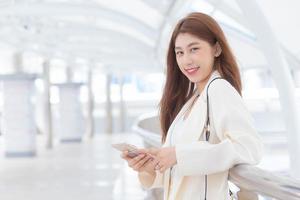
x=207, y=123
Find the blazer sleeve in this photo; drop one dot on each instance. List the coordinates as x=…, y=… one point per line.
x=149, y=181
x=240, y=143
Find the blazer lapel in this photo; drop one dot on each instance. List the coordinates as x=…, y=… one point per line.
x=170, y=130
x=193, y=125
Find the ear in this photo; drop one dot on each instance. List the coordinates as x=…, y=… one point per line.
x=218, y=49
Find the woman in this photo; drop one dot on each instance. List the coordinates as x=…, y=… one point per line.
x=190, y=165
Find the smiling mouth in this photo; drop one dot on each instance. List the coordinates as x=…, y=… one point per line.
x=192, y=70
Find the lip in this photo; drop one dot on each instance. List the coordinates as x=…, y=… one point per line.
x=192, y=70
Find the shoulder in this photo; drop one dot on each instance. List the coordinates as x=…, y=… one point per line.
x=222, y=90
x=222, y=86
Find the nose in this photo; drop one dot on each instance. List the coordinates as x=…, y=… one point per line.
x=186, y=59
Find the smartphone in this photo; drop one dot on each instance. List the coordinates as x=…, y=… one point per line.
x=132, y=150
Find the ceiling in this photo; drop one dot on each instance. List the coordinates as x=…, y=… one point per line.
x=133, y=34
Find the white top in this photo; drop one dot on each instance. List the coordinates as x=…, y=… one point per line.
x=233, y=140
x=175, y=135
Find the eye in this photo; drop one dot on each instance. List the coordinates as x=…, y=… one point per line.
x=194, y=49
x=179, y=53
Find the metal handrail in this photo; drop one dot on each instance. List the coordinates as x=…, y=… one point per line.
x=249, y=179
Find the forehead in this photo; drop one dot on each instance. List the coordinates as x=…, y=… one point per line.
x=184, y=39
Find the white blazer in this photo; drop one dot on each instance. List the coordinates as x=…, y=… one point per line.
x=233, y=140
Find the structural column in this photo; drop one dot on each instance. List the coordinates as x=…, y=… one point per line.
x=70, y=122
x=19, y=127
x=122, y=106
x=90, y=105
x=109, y=115
x=47, y=105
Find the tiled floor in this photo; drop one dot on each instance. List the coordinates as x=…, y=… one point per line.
x=90, y=170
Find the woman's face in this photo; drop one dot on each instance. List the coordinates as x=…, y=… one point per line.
x=195, y=58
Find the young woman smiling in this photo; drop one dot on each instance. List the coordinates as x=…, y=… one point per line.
x=206, y=128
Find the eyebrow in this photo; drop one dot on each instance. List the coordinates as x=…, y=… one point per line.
x=191, y=44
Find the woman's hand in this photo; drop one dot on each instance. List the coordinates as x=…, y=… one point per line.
x=165, y=157
x=144, y=162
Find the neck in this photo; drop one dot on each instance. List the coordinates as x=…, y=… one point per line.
x=201, y=85
x=200, y=88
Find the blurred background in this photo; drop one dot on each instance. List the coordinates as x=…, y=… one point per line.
x=79, y=75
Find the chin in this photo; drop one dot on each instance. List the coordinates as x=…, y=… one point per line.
x=193, y=80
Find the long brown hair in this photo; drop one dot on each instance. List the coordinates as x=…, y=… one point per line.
x=178, y=89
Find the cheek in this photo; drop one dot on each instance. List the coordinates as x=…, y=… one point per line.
x=211, y=56
x=201, y=56
x=179, y=63
x=206, y=59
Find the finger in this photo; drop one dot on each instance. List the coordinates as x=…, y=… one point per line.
x=150, y=162
x=125, y=156
x=156, y=160
x=150, y=151
x=141, y=163
x=150, y=165
x=144, y=151
x=158, y=166
x=145, y=160
x=162, y=169
x=124, y=153
x=134, y=160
